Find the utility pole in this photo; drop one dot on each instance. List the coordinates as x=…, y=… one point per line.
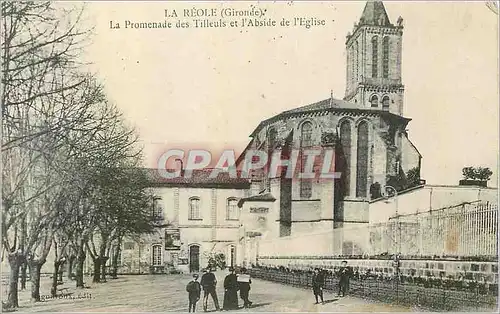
x=388, y=192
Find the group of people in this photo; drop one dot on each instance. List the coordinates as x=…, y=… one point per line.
x=232, y=284
x=318, y=281
x=241, y=282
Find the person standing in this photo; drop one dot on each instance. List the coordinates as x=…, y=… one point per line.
x=209, y=282
x=318, y=283
x=193, y=289
x=244, y=282
x=231, y=291
x=344, y=275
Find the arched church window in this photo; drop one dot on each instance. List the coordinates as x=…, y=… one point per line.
x=345, y=142
x=374, y=101
x=306, y=141
x=272, y=137
x=374, y=56
x=385, y=103
x=385, y=66
x=306, y=134
x=362, y=160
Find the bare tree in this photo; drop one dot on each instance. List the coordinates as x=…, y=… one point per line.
x=39, y=50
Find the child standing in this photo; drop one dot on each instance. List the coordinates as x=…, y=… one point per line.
x=193, y=289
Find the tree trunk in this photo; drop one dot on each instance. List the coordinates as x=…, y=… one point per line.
x=97, y=269
x=61, y=271
x=71, y=261
x=80, y=260
x=103, y=268
x=53, y=290
x=15, y=261
x=35, y=267
x=24, y=274
x=116, y=255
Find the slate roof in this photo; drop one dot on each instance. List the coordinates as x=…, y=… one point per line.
x=199, y=178
x=329, y=104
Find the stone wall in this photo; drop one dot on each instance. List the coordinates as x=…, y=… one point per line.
x=426, y=268
x=429, y=197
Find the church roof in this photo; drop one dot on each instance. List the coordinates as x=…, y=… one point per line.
x=329, y=104
x=199, y=178
x=374, y=14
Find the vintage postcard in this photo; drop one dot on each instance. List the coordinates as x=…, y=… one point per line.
x=270, y=156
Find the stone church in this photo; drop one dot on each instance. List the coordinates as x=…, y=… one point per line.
x=366, y=129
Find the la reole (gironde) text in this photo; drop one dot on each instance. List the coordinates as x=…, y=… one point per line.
x=207, y=18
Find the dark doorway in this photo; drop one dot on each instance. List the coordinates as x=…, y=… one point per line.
x=233, y=256
x=194, y=258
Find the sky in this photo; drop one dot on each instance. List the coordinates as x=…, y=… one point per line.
x=210, y=87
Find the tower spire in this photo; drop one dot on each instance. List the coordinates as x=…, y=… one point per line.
x=374, y=61
x=374, y=14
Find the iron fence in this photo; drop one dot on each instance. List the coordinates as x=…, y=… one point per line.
x=444, y=296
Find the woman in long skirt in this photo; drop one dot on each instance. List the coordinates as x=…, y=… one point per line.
x=231, y=291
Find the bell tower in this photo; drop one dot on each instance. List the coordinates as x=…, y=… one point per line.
x=373, y=78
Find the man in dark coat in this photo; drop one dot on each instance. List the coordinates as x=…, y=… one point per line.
x=193, y=289
x=318, y=283
x=209, y=282
x=344, y=275
x=244, y=282
x=231, y=291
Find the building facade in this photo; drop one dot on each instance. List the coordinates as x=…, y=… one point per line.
x=198, y=217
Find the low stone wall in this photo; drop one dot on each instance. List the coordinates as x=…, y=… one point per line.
x=470, y=271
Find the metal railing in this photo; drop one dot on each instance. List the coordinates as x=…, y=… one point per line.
x=436, y=295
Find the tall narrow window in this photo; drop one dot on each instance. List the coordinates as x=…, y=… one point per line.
x=345, y=141
x=385, y=103
x=306, y=135
x=157, y=209
x=305, y=188
x=232, y=209
x=305, y=141
x=156, y=255
x=356, y=61
x=374, y=101
x=362, y=162
x=194, y=208
x=385, y=66
x=271, y=137
x=350, y=64
x=374, y=56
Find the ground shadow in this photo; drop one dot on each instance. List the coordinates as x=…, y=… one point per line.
x=330, y=301
x=259, y=305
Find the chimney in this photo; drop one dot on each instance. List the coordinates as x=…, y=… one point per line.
x=332, y=103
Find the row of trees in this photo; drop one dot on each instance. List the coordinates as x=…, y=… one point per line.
x=70, y=164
